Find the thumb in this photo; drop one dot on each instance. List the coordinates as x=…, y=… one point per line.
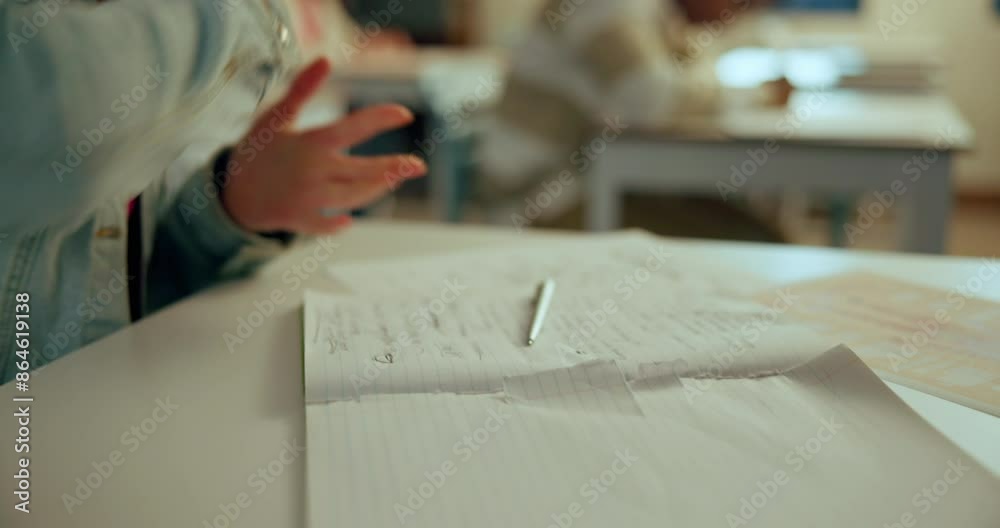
x=305, y=85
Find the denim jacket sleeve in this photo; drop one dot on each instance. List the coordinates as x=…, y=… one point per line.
x=68, y=63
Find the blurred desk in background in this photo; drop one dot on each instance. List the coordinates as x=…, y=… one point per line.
x=838, y=142
x=421, y=77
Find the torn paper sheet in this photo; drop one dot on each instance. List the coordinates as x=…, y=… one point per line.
x=591, y=387
x=356, y=347
x=824, y=445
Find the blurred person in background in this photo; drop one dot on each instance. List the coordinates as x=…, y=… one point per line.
x=590, y=70
x=98, y=100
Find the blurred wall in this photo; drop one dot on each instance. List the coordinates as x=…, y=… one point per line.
x=966, y=33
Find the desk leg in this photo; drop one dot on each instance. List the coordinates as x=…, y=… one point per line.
x=442, y=173
x=604, y=199
x=926, y=219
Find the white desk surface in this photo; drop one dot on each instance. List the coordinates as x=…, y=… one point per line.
x=237, y=409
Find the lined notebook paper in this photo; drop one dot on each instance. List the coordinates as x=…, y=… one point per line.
x=424, y=408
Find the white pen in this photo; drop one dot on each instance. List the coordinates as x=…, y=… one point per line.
x=545, y=291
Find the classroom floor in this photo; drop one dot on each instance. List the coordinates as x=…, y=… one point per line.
x=975, y=230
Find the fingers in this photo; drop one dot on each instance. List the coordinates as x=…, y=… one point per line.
x=306, y=84
x=356, y=195
x=350, y=183
x=356, y=183
x=346, y=169
x=361, y=126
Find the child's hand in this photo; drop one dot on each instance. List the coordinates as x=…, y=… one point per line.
x=283, y=180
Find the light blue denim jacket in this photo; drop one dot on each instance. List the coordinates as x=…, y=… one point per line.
x=97, y=104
